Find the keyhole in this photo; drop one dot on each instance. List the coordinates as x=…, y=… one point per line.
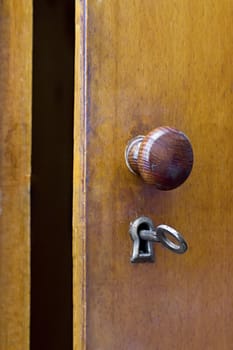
x=143, y=245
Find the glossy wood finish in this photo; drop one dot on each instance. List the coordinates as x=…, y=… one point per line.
x=154, y=63
x=15, y=152
x=163, y=158
x=79, y=181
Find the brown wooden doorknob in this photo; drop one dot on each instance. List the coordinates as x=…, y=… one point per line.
x=163, y=158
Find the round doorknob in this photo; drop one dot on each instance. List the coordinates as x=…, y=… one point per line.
x=164, y=157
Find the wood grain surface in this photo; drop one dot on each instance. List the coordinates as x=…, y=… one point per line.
x=150, y=64
x=79, y=182
x=15, y=151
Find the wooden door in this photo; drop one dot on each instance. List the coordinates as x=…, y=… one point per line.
x=139, y=65
x=15, y=170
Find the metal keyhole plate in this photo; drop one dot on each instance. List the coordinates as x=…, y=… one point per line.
x=147, y=254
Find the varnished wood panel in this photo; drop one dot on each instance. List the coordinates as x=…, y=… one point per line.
x=149, y=64
x=79, y=182
x=15, y=150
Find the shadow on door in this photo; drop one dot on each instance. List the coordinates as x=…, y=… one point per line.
x=52, y=154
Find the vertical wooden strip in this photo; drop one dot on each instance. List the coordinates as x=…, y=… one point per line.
x=15, y=153
x=79, y=181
